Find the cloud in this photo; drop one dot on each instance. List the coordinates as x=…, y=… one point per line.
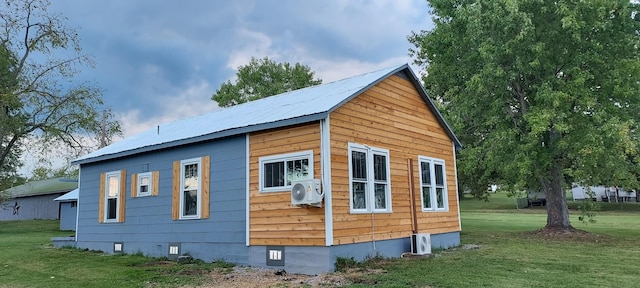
x=187, y=103
x=158, y=61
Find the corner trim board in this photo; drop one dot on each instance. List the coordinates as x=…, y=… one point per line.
x=325, y=157
x=247, y=188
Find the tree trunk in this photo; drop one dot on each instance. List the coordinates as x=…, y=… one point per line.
x=557, y=209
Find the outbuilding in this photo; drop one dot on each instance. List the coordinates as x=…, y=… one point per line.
x=34, y=200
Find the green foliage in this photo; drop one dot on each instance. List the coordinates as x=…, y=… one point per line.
x=263, y=78
x=39, y=100
x=343, y=263
x=42, y=173
x=540, y=93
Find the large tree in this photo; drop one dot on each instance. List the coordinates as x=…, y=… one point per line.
x=40, y=99
x=538, y=91
x=263, y=78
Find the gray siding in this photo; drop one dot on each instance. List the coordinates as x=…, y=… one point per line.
x=148, y=226
x=317, y=260
x=34, y=207
x=68, y=212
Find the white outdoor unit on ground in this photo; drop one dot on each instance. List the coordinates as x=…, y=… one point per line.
x=306, y=192
x=421, y=244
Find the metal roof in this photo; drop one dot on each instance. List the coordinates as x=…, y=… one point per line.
x=43, y=187
x=299, y=106
x=69, y=197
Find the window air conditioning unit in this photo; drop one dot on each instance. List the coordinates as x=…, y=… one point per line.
x=306, y=193
x=421, y=244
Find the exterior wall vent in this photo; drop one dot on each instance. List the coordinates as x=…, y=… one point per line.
x=275, y=255
x=174, y=251
x=118, y=247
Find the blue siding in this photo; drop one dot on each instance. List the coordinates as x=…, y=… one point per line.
x=149, y=227
x=68, y=215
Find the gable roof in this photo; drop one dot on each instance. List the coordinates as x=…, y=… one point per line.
x=299, y=106
x=43, y=187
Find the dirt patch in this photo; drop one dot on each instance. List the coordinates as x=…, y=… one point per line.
x=260, y=277
x=572, y=234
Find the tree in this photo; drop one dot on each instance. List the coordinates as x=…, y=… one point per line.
x=40, y=101
x=263, y=78
x=538, y=91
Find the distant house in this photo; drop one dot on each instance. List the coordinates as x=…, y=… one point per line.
x=68, y=210
x=359, y=167
x=34, y=200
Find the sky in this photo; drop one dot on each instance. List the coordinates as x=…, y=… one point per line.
x=158, y=61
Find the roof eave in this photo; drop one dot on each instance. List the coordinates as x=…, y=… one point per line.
x=207, y=137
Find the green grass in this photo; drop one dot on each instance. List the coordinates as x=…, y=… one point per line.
x=507, y=255
x=28, y=259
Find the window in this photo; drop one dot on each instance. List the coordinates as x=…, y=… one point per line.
x=433, y=184
x=144, y=184
x=369, y=179
x=191, y=189
x=112, y=196
x=190, y=183
x=279, y=171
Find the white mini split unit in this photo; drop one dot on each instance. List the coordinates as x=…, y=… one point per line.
x=421, y=244
x=306, y=193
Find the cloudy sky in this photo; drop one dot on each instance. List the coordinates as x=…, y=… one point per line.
x=157, y=61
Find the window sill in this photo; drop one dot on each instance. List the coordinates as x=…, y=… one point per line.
x=110, y=221
x=435, y=211
x=371, y=212
x=190, y=218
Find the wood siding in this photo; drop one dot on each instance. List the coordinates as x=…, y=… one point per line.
x=391, y=115
x=272, y=218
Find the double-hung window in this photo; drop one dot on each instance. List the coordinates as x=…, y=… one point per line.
x=190, y=188
x=112, y=196
x=433, y=184
x=144, y=184
x=369, y=179
x=190, y=183
x=278, y=172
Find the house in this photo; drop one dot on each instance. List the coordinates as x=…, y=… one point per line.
x=34, y=200
x=219, y=186
x=68, y=210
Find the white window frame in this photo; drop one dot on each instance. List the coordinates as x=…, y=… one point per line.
x=184, y=163
x=116, y=197
x=139, y=186
x=308, y=154
x=433, y=186
x=370, y=181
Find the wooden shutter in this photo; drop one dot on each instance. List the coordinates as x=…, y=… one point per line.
x=134, y=185
x=155, y=181
x=122, y=195
x=204, y=208
x=175, y=196
x=103, y=176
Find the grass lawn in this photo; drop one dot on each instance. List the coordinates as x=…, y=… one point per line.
x=498, y=250
x=502, y=251
x=27, y=259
